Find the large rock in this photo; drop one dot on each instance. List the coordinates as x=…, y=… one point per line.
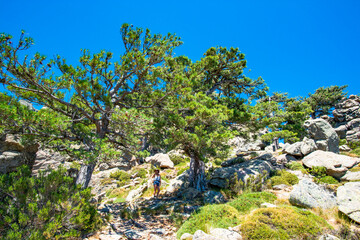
x=136, y=193
x=308, y=146
x=27, y=104
x=162, y=160
x=200, y=235
x=14, y=154
x=221, y=176
x=179, y=183
x=336, y=164
x=225, y=234
x=213, y=197
x=294, y=149
x=348, y=199
x=308, y=194
x=351, y=176
x=324, y=135
x=46, y=160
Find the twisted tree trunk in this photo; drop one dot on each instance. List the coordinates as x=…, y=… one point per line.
x=197, y=175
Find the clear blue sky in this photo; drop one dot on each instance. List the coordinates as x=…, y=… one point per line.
x=296, y=46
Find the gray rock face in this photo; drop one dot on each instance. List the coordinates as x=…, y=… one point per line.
x=213, y=197
x=336, y=164
x=294, y=149
x=136, y=193
x=324, y=135
x=179, y=183
x=162, y=160
x=308, y=146
x=245, y=145
x=221, y=176
x=13, y=154
x=200, y=235
x=351, y=176
x=328, y=237
x=47, y=159
x=225, y=234
x=27, y=104
x=348, y=199
x=308, y=194
x=284, y=158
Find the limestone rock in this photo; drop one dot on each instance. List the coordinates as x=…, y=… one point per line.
x=351, y=176
x=220, y=177
x=344, y=148
x=328, y=237
x=162, y=160
x=179, y=183
x=225, y=234
x=348, y=199
x=336, y=164
x=27, y=104
x=323, y=134
x=190, y=193
x=11, y=142
x=136, y=193
x=46, y=160
x=284, y=158
x=200, y=235
x=294, y=149
x=186, y=236
x=213, y=197
x=308, y=194
x=308, y=146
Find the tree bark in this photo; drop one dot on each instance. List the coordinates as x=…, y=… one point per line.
x=84, y=176
x=197, y=175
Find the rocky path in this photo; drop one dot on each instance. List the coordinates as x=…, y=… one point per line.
x=150, y=219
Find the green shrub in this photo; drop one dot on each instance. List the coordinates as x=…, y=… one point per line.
x=342, y=142
x=282, y=223
x=122, y=176
x=141, y=173
x=328, y=180
x=295, y=166
x=176, y=159
x=318, y=171
x=284, y=177
x=218, y=161
x=49, y=206
x=210, y=216
x=248, y=201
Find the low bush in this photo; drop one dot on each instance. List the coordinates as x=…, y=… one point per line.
x=49, y=206
x=122, y=176
x=141, y=172
x=176, y=159
x=210, y=216
x=328, y=180
x=284, y=177
x=295, y=166
x=318, y=171
x=248, y=201
x=282, y=223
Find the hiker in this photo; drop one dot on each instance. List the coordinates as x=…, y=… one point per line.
x=156, y=182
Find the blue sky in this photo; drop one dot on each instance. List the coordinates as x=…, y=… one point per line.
x=296, y=46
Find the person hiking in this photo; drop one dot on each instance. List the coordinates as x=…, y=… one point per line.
x=156, y=182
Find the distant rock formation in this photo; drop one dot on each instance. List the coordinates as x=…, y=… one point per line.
x=347, y=118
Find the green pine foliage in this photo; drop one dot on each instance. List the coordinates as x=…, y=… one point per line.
x=49, y=206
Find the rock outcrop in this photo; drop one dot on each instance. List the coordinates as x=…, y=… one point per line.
x=221, y=176
x=348, y=199
x=14, y=154
x=161, y=160
x=347, y=118
x=308, y=194
x=336, y=164
x=324, y=135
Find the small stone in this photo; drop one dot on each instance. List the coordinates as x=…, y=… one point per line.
x=186, y=236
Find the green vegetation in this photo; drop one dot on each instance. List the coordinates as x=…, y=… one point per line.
x=49, y=206
x=284, y=177
x=140, y=172
x=282, y=223
x=211, y=216
x=295, y=166
x=248, y=201
x=122, y=177
x=328, y=180
x=318, y=171
x=324, y=99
